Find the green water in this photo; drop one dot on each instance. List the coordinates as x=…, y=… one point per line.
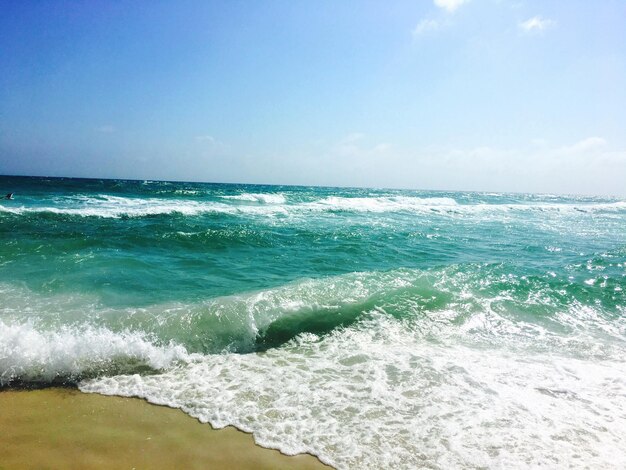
x=413, y=302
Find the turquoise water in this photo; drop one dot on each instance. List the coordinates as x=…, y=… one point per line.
x=370, y=327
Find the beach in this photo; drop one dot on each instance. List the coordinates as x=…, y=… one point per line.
x=65, y=428
x=352, y=235
x=370, y=328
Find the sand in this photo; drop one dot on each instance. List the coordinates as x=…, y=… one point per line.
x=64, y=428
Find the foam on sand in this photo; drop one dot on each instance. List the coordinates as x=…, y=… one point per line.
x=382, y=395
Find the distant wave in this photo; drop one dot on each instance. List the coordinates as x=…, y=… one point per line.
x=380, y=204
x=115, y=207
x=448, y=205
x=274, y=204
x=265, y=198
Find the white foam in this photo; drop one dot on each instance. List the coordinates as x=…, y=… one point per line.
x=381, y=204
x=187, y=192
x=116, y=207
x=460, y=387
x=32, y=354
x=446, y=205
x=271, y=204
x=265, y=198
x=381, y=395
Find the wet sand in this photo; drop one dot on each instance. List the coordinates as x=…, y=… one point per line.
x=63, y=428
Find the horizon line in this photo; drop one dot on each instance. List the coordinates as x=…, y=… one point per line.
x=380, y=188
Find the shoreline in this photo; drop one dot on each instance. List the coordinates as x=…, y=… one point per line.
x=65, y=428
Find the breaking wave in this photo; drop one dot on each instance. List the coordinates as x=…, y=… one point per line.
x=258, y=197
x=530, y=314
x=270, y=205
x=33, y=355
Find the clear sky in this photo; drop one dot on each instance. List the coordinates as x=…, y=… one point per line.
x=491, y=95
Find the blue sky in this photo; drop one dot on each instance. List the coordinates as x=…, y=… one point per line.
x=488, y=95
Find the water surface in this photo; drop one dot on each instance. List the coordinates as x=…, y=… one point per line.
x=371, y=327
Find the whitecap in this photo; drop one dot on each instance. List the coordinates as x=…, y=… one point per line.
x=33, y=354
x=265, y=198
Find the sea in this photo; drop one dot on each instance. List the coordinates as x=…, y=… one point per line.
x=373, y=328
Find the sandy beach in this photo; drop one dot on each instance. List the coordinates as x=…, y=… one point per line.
x=64, y=428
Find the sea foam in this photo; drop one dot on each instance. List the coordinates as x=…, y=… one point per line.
x=272, y=204
x=380, y=395
x=426, y=370
x=29, y=354
x=265, y=198
x=374, y=328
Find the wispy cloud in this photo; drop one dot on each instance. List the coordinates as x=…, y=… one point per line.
x=355, y=145
x=429, y=25
x=589, y=165
x=536, y=23
x=205, y=138
x=426, y=26
x=353, y=137
x=211, y=145
x=105, y=129
x=590, y=144
x=450, y=5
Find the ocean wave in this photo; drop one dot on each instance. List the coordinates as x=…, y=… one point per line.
x=265, y=198
x=444, y=205
x=185, y=192
x=69, y=353
x=107, y=206
x=479, y=304
x=380, y=204
x=271, y=205
x=405, y=368
x=484, y=304
x=392, y=398
x=117, y=207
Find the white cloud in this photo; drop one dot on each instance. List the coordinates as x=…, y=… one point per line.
x=584, y=146
x=587, y=166
x=536, y=23
x=450, y=5
x=425, y=26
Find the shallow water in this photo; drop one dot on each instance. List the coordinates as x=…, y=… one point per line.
x=369, y=327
